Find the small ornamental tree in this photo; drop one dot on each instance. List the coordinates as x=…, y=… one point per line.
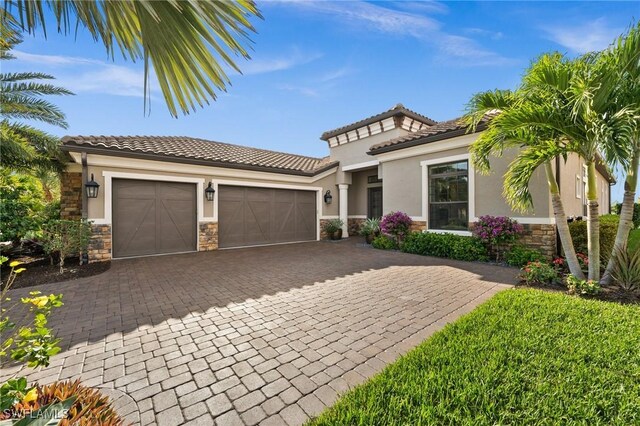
x=67, y=238
x=497, y=231
x=396, y=225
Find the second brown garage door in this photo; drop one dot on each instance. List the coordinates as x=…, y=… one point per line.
x=256, y=216
x=153, y=217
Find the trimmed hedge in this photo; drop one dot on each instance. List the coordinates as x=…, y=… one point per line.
x=608, y=230
x=451, y=246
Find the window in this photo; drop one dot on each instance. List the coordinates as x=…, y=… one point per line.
x=578, y=187
x=373, y=179
x=449, y=196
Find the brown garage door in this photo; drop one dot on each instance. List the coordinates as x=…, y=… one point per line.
x=254, y=216
x=153, y=217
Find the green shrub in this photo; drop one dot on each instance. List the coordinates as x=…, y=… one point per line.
x=520, y=255
x=384, y=242
x=582, y=287
x=67, y=238
x=22, y=202
x=608, y=230
x=538, y=273
x=636, y=213
x=451, y=246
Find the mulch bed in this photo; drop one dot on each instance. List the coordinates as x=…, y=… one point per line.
x=40, y=271
x=607, y=294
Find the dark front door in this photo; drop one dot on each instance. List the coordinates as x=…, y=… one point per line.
x=256, y=216
x=153, y=217
x=374, y=209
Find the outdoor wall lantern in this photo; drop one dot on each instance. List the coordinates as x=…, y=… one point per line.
x=209, y=192
x=92, y=188
x=328, y=197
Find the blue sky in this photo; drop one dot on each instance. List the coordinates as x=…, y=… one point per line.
x=320, y=65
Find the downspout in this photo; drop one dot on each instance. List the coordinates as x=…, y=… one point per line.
x=558, y=242
x=84, y=258
x=85, y=178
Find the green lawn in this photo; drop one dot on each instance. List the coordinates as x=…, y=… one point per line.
x=524, y=357
x=634, y=239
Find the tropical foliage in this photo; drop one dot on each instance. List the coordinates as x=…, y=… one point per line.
x=188, y=43
x=564, y=106
x=21, y=207
x=23, y=147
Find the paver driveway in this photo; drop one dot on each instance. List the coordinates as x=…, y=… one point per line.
x=264, y=335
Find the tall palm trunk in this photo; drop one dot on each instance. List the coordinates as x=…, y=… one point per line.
x=561, y=224
x=593, y=223
x=626, y=214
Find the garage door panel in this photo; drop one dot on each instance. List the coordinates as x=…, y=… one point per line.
x=255, y=216
x=257, y=222
x=153, y=217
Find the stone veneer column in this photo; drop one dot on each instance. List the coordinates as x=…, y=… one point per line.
x=100, y=243
x=71, y=195
x=344, y=208
x=208, y=236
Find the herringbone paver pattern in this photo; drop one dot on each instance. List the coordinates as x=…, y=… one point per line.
x=266, y=335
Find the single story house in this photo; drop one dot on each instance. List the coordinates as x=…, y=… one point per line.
x=156, y=193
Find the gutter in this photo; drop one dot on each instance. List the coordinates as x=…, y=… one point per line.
x=183, y=160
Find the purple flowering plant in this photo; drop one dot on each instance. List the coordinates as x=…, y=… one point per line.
x=497, y=231
x=396, y=224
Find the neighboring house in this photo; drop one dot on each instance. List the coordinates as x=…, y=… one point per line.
x=152, y=196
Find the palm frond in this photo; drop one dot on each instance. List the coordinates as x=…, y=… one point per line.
x=31, y=108
x=521, y=170
x=32, y=89
x=189, y=43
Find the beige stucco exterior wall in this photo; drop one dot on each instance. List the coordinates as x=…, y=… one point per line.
x=356, y=152
x=402, y=186
x=358, y=191
x=572, y=187
x=489, y=198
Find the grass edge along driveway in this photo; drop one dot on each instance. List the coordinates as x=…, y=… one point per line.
x=523, y=357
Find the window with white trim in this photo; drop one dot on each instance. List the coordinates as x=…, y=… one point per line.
x=578, y=187
x=448, y=202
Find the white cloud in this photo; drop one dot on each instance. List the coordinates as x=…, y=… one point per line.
x=264, y=65
x=84, y=75
x=494, y=35
x=410, y=22
x=584, y=37
x=306, y=91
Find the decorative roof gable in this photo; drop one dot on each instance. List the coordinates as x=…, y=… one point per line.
x=396, y=117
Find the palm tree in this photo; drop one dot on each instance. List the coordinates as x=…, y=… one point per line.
x=22, y=146
x=511, y=117
x=624, y=60
x=187, y=42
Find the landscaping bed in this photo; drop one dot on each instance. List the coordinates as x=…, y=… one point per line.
x=39, y=270
x=524, y=357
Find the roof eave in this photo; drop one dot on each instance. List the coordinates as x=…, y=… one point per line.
x=392, y=113
x=185, y=160
x=426, y=139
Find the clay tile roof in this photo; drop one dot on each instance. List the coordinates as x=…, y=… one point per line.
x=398, y=109
x=438, y=131
x=199, y=151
